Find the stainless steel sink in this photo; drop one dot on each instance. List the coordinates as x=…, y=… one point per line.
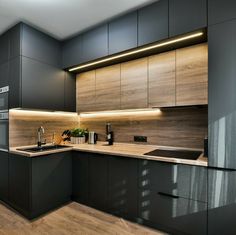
x=43, y=148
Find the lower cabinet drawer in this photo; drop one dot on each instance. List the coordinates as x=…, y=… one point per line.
x=173, y=212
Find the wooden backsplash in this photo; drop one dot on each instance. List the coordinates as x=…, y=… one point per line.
x=23, y=126
x=183, y=127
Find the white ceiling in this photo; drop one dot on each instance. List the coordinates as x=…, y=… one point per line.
x=63, y=18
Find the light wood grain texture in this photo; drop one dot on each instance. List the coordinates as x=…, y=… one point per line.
x=192, y=75
x=134, y=84
x=85, y=91
x=185, y=127
x=72, y=219
x=161, y=80
x=108, y=88
x=23, y=126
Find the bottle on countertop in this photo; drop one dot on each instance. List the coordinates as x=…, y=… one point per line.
x=206, y=146
x=109, y=134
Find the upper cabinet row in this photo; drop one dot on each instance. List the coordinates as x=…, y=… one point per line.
x=155, y=22
x=174, y=78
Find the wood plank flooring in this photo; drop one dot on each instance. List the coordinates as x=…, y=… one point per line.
x=70, y=219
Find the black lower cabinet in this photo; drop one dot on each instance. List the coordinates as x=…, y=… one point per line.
x=80, y=177
x=122, y=187
x=221, y=202
x=39, y=184
x=4, y=176
x=98, y=178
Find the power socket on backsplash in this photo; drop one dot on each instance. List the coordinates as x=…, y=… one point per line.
x=139, y=138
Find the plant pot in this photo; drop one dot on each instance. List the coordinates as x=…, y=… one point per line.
x=77, y=140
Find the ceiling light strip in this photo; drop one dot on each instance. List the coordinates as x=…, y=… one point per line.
x=139, y=50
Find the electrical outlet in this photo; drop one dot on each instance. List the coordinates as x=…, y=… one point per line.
x=139, y=138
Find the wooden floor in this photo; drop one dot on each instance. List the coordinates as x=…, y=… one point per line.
x=70, y=219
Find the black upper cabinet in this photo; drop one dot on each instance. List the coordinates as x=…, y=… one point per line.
x=72, y=52
x=15, y=41
x=95, y=43
x=221, y=202
x=122, y=187
x=219, y=11
x=98, y=176
x=123, y=33
x=39, y=46
x=4, y=74
x=153, y=22
x=4, y=48
x=186, y=16
x=4, y=176
x=70, y=92
x=222, y=96
x=42, y=85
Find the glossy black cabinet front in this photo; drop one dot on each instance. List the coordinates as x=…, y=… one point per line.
x=153, y=22
x=186, y=16
x=4, y=176
x=39, y=184
x=221, y=202
x=222, y=95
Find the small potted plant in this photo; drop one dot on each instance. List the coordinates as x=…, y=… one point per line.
x=78, y=135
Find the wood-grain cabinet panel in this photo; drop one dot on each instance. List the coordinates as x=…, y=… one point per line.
x=134, y=79
x=192, y=75
x=85, y=91
x=161, y=80
x=108, y=88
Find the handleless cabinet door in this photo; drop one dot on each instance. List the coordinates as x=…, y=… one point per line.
x=220, y=11
x=108, y=88
x=85, y=91
x=161, y=80
x=70, y=92
x=192, y=75
x=4, y=48
x=134, y=84
x=221, y=202
x=222, y=95
x=4, y=176
x=153, y=22
x=123, y=33
x=4, y=74
x=186, y=16
x=95, y=43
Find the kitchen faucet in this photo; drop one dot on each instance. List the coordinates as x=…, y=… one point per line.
x=40, y=133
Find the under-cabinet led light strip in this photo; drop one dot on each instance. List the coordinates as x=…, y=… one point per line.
x=172, y=41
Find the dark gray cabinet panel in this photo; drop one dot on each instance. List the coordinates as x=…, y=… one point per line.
x=153, y=22
x=221, y=202
x=4, y=48
x=95, y=43
x=4, y=176
x=122, y=187
x=39, y=46
x=15, y=82
x=175, y=215
x=70, y=92
x=37, y=185
x=15, y=41
x=186, y=16
x=4, y=74
x=123, y=33
x=80, y=163
x=51, y=182
x=98, y=179
x=222, y=95
x=42, y=85
x=72, y=50
x=179, y=180
x=219, y=11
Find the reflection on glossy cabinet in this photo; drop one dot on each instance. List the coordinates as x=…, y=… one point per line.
x=85, y=91
x=134, y=84
x=192, y=75
x=221, y=202
x=108, y=88
x=161, y=82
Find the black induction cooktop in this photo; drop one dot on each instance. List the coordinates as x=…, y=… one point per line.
x=182, y=154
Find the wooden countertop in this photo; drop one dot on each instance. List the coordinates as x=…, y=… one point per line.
x=118, y=149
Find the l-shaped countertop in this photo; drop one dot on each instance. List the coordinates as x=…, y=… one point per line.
x=117, y=149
